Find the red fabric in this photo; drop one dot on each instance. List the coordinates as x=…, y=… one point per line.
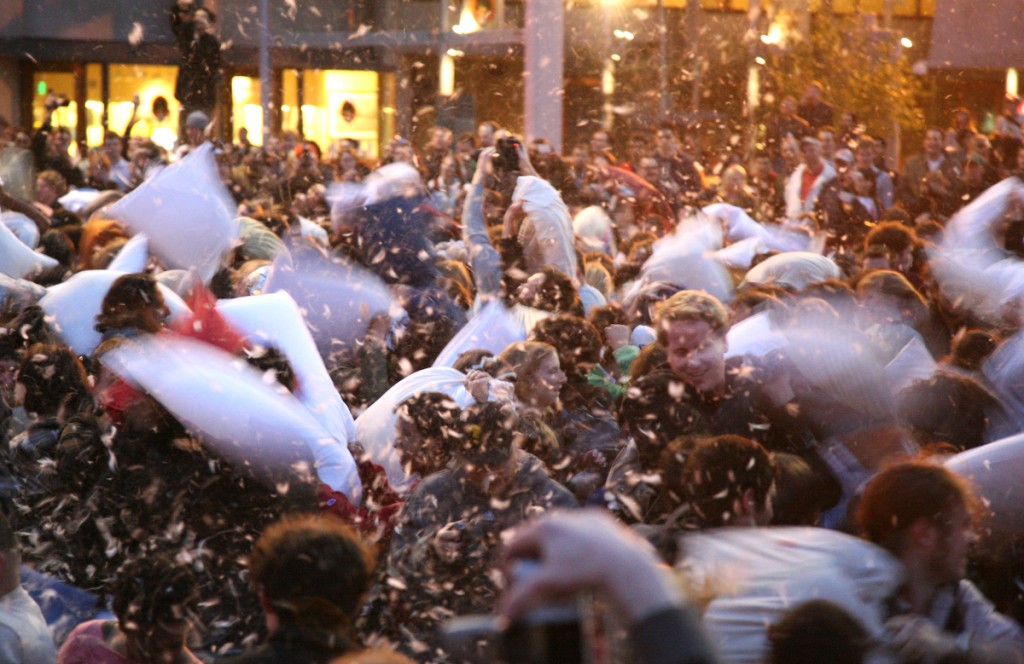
x=808, y=182
x=86, y=645
x=380, y=505
x=206, y=324
x=117, y=398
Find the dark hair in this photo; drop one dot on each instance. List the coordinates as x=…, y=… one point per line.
x=798, y=492
x=946, y=408
x=557, y=293
x=575, y=340
x=435, y=416
x=655, y=411
x=892, y=235
x=52, y=376
x=151, y=590
x=313, y=572
x=718, y=472
x=131, y=302
x=972, y=348
x=488, y=432
x=816, y=627
x=905, y=492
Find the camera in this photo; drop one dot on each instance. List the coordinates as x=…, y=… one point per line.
x=54, y=101
x=553, y=634
x=506, y=154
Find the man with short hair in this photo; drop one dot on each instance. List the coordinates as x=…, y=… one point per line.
x=814, y=109
x=923, y=514
x=864, y=159
x=311, y=574
x=24, y=635
x=806, y=182
x=729, y=481
x=932, y=159
x=120, y=172
x=678, y=177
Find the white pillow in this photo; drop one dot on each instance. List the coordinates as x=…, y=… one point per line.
x=18, y=260
x=185, y=211
x=72, y=307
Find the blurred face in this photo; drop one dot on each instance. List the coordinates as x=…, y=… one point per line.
x=665, y=141
x=788, y=106
x=811, y=153
x=486, y=135
x=933, y=141
x=422, y=457
x=580, y=157
x=62, y=141
x=864, y=156
x=696, y=354
x=162, y=643
x=828, y=141
x=547, y=382
x=600, y=142
x=45, y=193
x=112, y=146
x=948, y=562
x=762, y=167
x=649, y=169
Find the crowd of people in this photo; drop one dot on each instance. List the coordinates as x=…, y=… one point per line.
x=588, y=372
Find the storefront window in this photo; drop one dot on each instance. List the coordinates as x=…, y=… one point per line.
x=62, y=84
x=342, y=104
x=245, y=107
x=158, y=120
x=290, y=101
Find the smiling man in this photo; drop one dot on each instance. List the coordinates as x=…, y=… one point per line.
x=691, y=328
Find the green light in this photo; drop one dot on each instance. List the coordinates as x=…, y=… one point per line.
x=41, y=88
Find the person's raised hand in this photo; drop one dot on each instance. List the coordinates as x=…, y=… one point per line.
x=586, y=550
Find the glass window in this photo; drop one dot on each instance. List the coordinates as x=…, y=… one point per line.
x=290, y=101
x=246, y=110
x=158, y=120
x=61, y=83
x=342, y=104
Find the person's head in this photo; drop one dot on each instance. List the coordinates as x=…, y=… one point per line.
x=311, y=574
x=810, y=150
x=656, y=410
x=827, y=136
x=729, y=482
x=734, y=179
x=798, y=499
x=550, y=289
x=814, y=627
x=888, y=294
x=863, y=182
x=424, y=431
x=600, y=142
x=787, y=107
x=575, y=340
x=112, y=145
x=10, y=558
x=924, y=514
x=864, y=155
x=154, y=598
x=161, y=109
x=762, y=165
x=648, y=169
x=62, y=140
x=133, y=301
x=947, y=408
x=971, y=348
x=934, y=142
x=814, y=92
x=195, y=127
x=490, y=434
x=538, y=374
x=666, y=141
x=50, y=185
x=691, y=327
x=50, y=376
x=897, y=239
x=485, y=133
x=974, y=170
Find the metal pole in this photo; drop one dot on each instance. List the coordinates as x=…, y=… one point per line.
x=663, y=101
x=692, y=35
x=265, y=71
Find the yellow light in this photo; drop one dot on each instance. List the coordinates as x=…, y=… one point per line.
x=446, y=86
x=907, y=43
x=285, y=107
x=759, y=60
x=616, y=57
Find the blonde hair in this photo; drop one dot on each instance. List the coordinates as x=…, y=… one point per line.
x=691, y=305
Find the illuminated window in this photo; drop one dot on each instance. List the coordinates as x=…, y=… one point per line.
x=61, y=83
x=342, y=104
x=150, y=82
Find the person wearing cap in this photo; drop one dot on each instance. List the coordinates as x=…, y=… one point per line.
x=806, y=182
x=195, y=133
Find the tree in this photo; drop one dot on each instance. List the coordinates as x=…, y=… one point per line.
x=864, y=70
